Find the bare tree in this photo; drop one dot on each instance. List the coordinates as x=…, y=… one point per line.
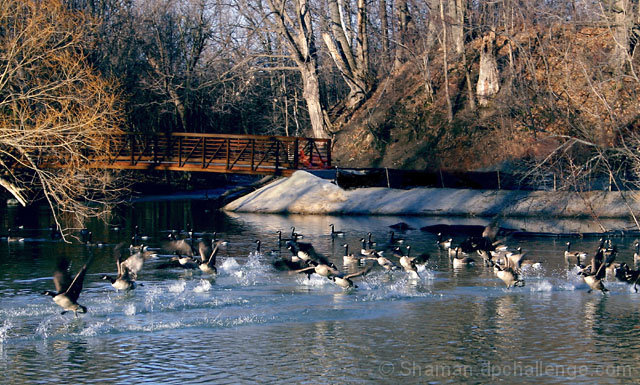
x=350, y=52
x=294, y=24
x=56, y=111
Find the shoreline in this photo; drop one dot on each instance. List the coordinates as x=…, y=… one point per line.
x=305, y=193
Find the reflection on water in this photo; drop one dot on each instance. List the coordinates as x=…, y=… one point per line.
x=255, y=324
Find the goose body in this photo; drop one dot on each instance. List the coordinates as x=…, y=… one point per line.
x=458, y=260
x=367, y=251
x=347, y=258
x=444, y=244
x=508, y=275
x=571, y=255
x=345, y=282
x=208, y=260
x=127, y=270
x=67, y=290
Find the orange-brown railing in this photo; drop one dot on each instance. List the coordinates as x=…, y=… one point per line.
x=245, y=154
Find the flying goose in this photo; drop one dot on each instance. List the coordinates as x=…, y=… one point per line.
x=325, y=270
x=208, y=261
x=344, y=280
x=67, y=290
x=507, y=274
x=408, y=263
x=595, y=272
x=127, y=271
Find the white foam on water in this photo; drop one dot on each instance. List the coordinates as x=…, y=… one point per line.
x=129, y=309
x=229, y=265
x=203, y=287
x=178, y=287
x=4, y=330
x=540, y=286
x=314, y=280
x=93, y=329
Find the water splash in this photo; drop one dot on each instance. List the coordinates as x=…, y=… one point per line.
x=4, y=330
x=178, y=287
x=203, y=287
x=540, y=286
x=130, y=309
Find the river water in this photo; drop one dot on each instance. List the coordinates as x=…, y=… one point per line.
x=253, y=324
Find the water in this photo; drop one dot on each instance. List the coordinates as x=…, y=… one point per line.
x=255, y=324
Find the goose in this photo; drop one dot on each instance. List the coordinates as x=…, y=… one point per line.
x=570, y=255
x=366, y=250
x=185, y=261
x=442, y=243
x=458, y=260
x=127, y=272
x=384, y=262
x=295, y=236
x=322, y=269
x=515, y=259
x=258, y=247
x=11, y=238
x=487, y=258
x=285, y=240
x=508, y=275
x=182, y=246
x=409, y=264
x=54, y=233
x=84, y=235
x=393, y=240
x=636, y=254
x=137, y=237
x=594, y=273
x=344, y=280
x=348, y=258
x=625, y=274
x=67, y=290
x=208, y=262
x=370, y=242
x=89, y=241
x=335, y=233
x=305, y=252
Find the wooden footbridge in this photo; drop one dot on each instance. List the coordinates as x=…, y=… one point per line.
x=242, y=154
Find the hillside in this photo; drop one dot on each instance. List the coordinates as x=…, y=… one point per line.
x=560, y=88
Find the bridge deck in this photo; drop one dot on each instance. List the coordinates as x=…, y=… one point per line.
x=244, y=154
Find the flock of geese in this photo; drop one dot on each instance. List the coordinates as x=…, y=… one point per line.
x=199, y=251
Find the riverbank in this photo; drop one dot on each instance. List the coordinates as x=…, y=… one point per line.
x=304, y=193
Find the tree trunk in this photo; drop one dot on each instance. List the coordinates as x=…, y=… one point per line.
x=352, y=62
x=456, y=10
x=445, y=64
x=311, y=95
x=296, y=31
x=488, y=79
x=384, y=27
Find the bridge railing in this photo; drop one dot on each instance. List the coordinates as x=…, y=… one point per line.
x=249, y=154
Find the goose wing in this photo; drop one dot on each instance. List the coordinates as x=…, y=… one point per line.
x=205, y=252
x=61, y=276
x=181, y=246
x=491, y=230
x=73, y=291
x=358, y=273
x=305, y=270
x=133, y=264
